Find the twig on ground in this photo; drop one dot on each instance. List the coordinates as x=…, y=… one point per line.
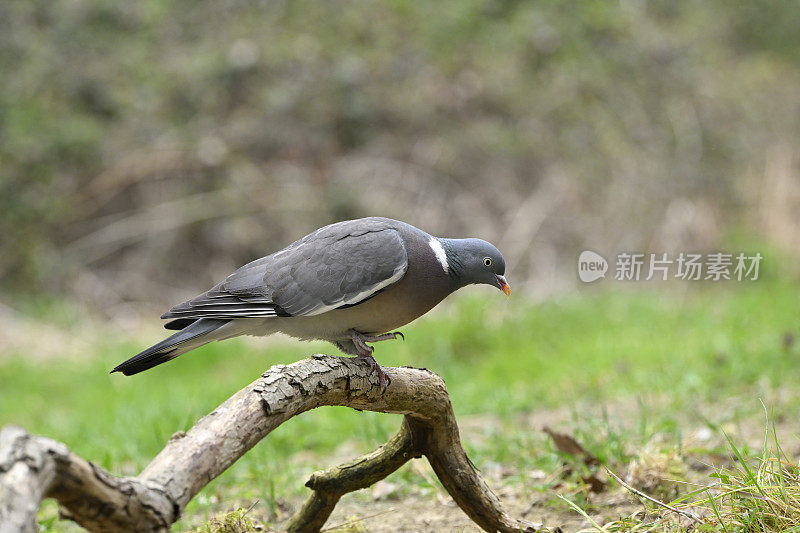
x=653, y=500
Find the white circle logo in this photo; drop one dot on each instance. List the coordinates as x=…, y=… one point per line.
x=591, y=266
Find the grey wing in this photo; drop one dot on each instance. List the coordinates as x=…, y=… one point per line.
x=339, y=271
x=330, y=268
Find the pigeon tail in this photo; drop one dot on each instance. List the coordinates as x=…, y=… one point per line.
x=194, y=335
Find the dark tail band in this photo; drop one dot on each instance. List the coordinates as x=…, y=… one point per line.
x=189, y=338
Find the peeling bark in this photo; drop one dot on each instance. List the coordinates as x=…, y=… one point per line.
x=33, y=468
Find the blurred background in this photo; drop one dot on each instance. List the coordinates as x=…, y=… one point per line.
x=147, y=149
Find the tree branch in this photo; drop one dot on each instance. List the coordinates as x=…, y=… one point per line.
x=331, y=484
x=33, y=468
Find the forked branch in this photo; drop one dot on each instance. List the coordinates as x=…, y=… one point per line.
x=33, y=468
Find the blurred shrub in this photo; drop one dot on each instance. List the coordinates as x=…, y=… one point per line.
x=147, y=148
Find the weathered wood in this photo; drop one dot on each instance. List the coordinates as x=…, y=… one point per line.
x=329, y=485
x=33, y=468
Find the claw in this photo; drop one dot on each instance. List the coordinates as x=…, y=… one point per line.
x=383, y=378
x=362, y=346
x=382, y=337
x=364, y=351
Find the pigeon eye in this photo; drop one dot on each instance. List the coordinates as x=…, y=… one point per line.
x=487, y=261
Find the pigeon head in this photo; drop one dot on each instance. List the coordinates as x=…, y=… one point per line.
x=475, y=261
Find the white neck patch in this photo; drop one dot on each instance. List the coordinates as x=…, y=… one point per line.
x=441, y=255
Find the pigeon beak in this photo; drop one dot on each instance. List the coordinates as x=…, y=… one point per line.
x=503, y=285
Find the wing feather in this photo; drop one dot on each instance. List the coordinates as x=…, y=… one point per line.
x=339, y=265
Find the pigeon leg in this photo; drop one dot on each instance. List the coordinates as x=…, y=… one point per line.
x=382, y=376
x=360, y=341
x=364, y=351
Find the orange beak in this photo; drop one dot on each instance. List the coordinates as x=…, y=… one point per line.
x=504, y=286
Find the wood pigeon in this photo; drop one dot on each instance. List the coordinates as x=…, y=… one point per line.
x=348, y=283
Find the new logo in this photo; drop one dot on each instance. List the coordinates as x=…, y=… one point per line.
x=591, y=266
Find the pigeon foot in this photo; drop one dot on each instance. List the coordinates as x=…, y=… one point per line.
x=360, y=340
x=364, y=351
x=385, y=337
x=383, y=378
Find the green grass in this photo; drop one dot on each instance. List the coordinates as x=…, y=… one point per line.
x=668, y=355
x=758, y=492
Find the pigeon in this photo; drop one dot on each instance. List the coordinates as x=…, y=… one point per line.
x=350, y=283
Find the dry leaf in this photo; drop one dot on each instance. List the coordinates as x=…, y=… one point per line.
x=567, y=444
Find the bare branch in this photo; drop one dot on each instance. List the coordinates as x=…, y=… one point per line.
x=33, y=468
